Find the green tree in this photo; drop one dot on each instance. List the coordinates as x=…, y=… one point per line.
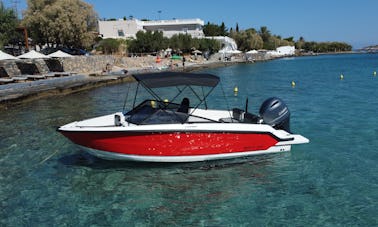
x=208, y=45
x=299, y=44
x=69, y=23
x=264, y=33
x=148, y=42
x=290, y=39
x=269, y=42
x=181, y=42
x=109, y=46
x=210, y=29
x=8, y=25
x=215, y=30
x=159, y=42
x=223, y=30
x=248, y=40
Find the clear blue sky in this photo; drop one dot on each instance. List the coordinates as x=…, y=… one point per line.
x=351, y=21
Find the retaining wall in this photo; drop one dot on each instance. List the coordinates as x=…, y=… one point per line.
x=83, y=64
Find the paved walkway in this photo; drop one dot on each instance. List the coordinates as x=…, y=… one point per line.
x=16, y=91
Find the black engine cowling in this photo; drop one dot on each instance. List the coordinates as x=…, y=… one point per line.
x=275, y=113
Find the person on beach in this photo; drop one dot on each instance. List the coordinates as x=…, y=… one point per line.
x=183, y=62
x=107, y=68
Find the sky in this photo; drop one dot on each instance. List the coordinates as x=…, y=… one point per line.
x=350, y=21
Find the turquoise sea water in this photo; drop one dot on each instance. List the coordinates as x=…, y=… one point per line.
x=46, y=181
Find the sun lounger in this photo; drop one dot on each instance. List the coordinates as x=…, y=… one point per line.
x=6, y=80
x=35, y=77
x=55, y=68
x=28, y=71
x=19, y=78
x=4, y=77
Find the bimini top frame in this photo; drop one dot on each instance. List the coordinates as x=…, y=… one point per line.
x=180, y=80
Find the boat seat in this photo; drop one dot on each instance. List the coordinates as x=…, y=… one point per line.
x=251, y=118
x=238, y=114
x=184, y=107
x=244, y=117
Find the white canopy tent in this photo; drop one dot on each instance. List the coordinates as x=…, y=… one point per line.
x=32, y=55
x=60, y=54
x=5, y=56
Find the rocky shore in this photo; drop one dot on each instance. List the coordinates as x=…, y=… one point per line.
x=92, y=72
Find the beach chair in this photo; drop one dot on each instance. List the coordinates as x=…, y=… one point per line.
x=4, y=77
x=55, y=68
x=28, y=71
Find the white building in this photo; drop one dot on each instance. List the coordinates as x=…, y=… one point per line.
x=120, y=29
x=128, y=28
x=229, y=44
x=282, y=51
x=286, y=50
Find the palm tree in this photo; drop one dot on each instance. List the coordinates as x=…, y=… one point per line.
x=264, y=33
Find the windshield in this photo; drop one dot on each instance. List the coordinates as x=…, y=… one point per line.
x=156, y=112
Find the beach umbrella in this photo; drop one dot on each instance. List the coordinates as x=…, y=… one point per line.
x=33, y=55
x=60, y=54
x=5, y=56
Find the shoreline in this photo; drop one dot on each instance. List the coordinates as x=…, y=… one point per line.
x=18, y=93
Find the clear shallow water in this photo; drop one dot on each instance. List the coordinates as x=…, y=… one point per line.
x=45, y=180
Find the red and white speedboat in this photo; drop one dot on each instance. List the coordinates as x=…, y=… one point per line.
x=158, y=130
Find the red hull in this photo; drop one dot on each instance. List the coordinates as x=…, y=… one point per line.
x=172, y=143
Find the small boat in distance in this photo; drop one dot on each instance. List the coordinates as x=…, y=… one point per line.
x=158, y=130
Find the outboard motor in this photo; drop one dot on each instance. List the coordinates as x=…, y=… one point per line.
x=275, y=113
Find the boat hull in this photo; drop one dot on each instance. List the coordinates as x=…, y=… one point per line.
x=182, y=158
x=175, y=146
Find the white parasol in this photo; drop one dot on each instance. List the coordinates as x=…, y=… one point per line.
x=5, y=56
x=60, y=54
x=33, y=55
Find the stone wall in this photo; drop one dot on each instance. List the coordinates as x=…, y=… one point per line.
x=87, y=64
x=94, y=64
x=82, y=64
x=97, y=63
